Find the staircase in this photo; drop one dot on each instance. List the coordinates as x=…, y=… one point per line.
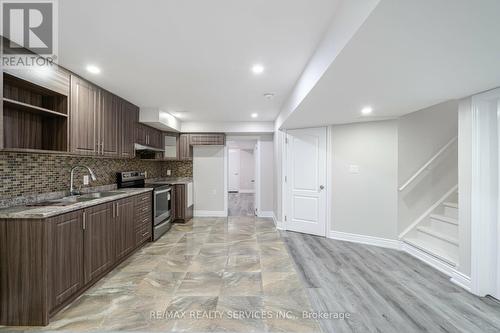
x=437, y=233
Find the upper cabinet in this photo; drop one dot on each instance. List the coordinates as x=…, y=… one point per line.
x=102, y=124
x=129, y=118
x=149, y=136
x=171, y=146
x=185, y=149
x=207, y=139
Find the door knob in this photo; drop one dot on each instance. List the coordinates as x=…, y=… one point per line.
x=321, y=187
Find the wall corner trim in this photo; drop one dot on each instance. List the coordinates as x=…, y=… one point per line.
x=278, y=224
x=210, y=213
x=369, y=240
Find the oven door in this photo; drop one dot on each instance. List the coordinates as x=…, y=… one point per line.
x=162, y=204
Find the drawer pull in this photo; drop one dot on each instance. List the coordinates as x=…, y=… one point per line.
x=145, y=234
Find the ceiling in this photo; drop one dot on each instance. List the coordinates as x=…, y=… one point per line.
x=193, y=57
x=406, y=56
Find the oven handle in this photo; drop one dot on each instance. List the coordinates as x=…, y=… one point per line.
x=163, y=191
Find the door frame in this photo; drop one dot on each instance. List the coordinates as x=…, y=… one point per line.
x=257, y=160
x=484, y=200
x=285, y=189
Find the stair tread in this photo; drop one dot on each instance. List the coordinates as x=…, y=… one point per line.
x=437, y=234
x=427, y=247
x=444, y=218
x=451, y=204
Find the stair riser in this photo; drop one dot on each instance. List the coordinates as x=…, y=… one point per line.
x=450, y=249
x=444, y=227
x=451, y=212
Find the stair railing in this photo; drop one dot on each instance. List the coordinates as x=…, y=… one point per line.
x=428, y=163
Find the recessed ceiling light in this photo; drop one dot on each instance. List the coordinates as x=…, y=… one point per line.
x=93, y=69
x=257, y=69
x=366, y=110
x=254, y=115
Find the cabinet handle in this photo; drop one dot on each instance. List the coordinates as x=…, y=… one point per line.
x=84, y=221
x=145, y=209
x=102, y=147
x=117, y=211
x=144, y=234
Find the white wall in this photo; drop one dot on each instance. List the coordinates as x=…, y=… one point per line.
x=208, y=179
x=266, y=155
x=421, y=135
x=365, y=203
x=279, y=137
x=247, y=170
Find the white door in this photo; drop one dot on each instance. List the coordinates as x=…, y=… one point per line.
x=306, y=181
x=234, y=170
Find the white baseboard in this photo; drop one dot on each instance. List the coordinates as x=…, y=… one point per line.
x=456, y=277
x=210, y=213
x=369, y=240
x=265, y=214
x=278, y=224
x=246, y=191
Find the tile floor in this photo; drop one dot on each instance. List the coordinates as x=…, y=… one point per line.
x=241, y=204
x=206, y=275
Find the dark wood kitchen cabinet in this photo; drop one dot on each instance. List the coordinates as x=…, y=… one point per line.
x=207, y=139
x=185, y=149
x=83, y=117
x=149, y=136
x=47, y=263
x=66, y=236
x=109, y=128
x=129, y=118
x=124, y=227
x=99, y=241
x=182, y=212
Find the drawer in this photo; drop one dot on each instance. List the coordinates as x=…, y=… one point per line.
x=143, y=222
x=143, y=210
x=143, y=234
x=143, y=198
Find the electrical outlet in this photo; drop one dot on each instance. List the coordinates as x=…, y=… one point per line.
x=169, y=172
x=145, y=174
x=86, y=180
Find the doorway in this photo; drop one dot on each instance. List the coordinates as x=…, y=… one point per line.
x=241, y=178
x=306, y=154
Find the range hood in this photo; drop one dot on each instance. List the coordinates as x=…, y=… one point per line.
x=139, y=147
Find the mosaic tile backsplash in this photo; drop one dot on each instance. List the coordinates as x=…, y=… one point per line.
x=28, y=174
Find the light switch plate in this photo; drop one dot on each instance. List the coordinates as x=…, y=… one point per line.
x=86, y=180
x=169, y=172
x=353, y=168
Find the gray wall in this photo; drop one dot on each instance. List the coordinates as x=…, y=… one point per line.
x=365, y=203
x=421, y=135
x=266, y=147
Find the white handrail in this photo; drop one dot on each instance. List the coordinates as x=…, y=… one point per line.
x=429, y=162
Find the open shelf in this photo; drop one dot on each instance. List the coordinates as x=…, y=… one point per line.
x=34, y=117
x=31, y=108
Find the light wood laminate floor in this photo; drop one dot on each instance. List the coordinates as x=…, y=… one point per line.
x=384, y=290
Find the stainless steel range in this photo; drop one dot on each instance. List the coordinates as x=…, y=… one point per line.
x=162, y=199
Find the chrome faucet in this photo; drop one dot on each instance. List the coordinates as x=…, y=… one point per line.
x=72, y=190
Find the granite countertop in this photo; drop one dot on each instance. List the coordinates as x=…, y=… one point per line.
x=42, y=212
x=170, y=180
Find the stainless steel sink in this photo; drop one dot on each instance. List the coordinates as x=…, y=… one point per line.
x=66, y=201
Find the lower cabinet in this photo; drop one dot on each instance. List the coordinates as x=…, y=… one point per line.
x=66, y=237
x=182, y=213
x=99, y=229
x=124, y=227
x=46, y=263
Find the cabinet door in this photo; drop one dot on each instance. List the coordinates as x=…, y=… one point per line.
x=157, y=139
x=141, y=134
x=180, y=202
x=65, y=257
x=129, y=121
x=99, y=237
x=125, y=227
x=185, y=149
x=109, y=124
x=84, y=131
